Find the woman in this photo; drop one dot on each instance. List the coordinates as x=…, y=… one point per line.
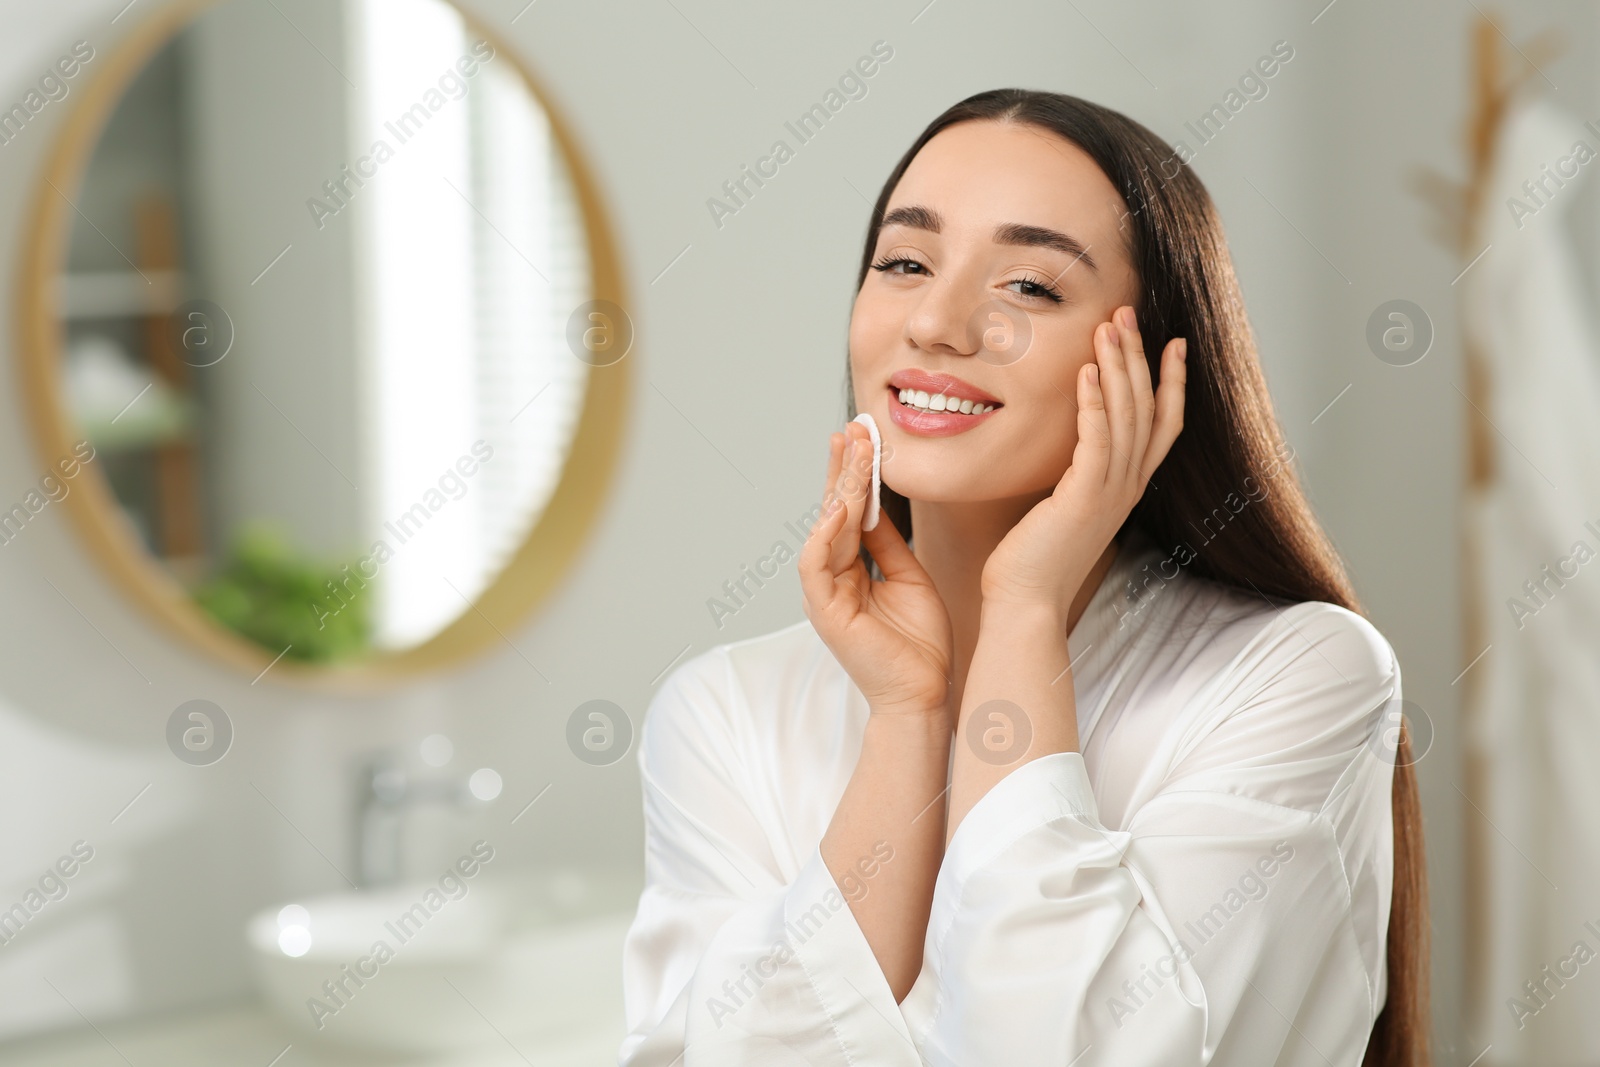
x=1080, y=757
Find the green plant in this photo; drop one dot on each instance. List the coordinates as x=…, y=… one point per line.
x=279, y=598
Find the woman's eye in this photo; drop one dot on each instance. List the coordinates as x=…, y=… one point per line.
x=1038, y=289
x=888, y=265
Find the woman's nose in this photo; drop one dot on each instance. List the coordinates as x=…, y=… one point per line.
x=943, y=320
x=970, y=324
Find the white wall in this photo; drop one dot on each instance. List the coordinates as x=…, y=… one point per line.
x=667, y=111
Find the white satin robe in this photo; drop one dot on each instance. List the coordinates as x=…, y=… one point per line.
x=1208, y=882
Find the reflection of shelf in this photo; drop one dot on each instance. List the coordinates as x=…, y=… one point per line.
x=144, y=425
x=117, y=293
x=119, y=404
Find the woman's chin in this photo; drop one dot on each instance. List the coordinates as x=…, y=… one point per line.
x=942, y=489
x=970, y=484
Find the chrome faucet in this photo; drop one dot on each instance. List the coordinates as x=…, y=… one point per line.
x=384, y=792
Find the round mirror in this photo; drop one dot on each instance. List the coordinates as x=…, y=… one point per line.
x=321, y=313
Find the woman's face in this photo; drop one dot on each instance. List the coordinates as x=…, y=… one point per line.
x=997, y=221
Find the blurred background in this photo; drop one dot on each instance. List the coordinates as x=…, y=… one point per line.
x=355, y=499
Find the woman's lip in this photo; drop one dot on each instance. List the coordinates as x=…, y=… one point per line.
x=931, y=423
x=932, y=384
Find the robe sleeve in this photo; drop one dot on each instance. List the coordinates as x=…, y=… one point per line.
x=1237, y=918
x=731, y=959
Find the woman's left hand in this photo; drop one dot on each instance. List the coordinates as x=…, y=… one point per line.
x=1124, y=432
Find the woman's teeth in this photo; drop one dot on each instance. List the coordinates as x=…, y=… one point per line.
x=921, y=401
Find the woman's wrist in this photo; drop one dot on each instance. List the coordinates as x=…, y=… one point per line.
x=1026, y=645
x=919, y=727
x=1057, y=596
x=1021, y=619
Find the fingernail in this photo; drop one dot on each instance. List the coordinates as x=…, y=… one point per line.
x=1111, y=332
x=1183, y=349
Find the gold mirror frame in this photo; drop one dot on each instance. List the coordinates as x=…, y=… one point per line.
x=534, y=570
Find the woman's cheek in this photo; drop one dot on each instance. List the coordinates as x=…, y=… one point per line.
x=1047, y=442
x=859, y=351
x=871, y=342
x=865, y=361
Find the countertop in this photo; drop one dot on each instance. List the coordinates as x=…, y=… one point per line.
x=247, y=1035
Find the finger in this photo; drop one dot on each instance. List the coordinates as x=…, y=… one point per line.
x=852, y=487
x=838, y=453
x=1089, y=457
x=817, y=577
x=1169, y=402
x=836, y=444
x=851, y=482
x=817, y=551
x=1144, y=402
x=1117, y=397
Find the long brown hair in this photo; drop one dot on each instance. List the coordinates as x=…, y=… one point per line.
x=1276, y=547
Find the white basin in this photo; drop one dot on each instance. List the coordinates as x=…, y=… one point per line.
x=524, y=960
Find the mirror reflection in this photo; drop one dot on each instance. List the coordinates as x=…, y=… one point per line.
x=315, y=314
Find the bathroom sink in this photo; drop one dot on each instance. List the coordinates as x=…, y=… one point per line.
x=431, y=966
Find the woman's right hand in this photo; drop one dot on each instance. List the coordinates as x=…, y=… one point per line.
x=892, y=637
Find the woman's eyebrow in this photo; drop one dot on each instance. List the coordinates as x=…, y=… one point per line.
x=1010, y=233
x=1015, y=233
x=915, y=216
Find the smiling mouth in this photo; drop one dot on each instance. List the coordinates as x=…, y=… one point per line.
x=919, y=400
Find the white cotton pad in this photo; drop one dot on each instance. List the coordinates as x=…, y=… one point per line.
x=871, y=519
